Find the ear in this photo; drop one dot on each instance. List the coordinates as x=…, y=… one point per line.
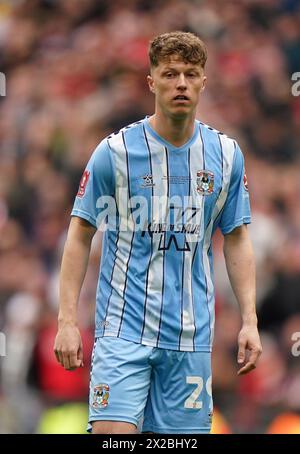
x=151, y=83
x=203, y=83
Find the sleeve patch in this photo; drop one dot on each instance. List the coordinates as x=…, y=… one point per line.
x=83, y=182
x=246, y=183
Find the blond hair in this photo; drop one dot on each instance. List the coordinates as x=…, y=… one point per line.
x=184, y=44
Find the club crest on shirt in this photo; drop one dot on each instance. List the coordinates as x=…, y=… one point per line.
x=101, y=395
x=205, y=182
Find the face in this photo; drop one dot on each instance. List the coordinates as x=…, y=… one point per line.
x=177, y=86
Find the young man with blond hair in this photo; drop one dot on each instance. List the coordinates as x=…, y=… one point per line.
x=169, y=181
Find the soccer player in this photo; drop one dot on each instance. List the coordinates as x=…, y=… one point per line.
x=163, y=185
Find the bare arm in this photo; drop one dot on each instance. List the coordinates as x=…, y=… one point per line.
x=240, y=265
x=68, y=344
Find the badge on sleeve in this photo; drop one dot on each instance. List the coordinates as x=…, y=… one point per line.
x=246, y=183
x=83, y=182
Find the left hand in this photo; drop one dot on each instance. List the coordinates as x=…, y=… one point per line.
x=248, y=340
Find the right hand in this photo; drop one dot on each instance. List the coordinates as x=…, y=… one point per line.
x=68, y=347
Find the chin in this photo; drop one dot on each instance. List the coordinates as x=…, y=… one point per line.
x=180, y=113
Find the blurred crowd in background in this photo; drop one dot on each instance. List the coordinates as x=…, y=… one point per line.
x=76, y=71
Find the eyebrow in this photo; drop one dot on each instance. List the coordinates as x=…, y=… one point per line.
x=175, y=69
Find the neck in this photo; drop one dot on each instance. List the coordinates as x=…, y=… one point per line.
x=177, y=131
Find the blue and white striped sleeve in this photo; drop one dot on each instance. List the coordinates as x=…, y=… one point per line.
x=98, y=180
x=236, y=210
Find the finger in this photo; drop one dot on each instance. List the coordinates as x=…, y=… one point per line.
x=247, y=368
x=74, y=361
x=80, y=356
x=56, y=355
x=60, y=358
x=254, y=355
x=66, y=361
x=241, y=352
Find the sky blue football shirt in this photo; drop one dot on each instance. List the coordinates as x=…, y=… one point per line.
x=162, y=205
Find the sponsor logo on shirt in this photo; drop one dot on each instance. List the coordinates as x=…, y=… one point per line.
x=176, y=179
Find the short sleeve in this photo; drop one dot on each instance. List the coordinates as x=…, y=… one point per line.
x=236, y=210
x=98, y=180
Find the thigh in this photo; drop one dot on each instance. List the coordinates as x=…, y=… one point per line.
x=113, y=427
x=120, y=381
x=180, y=399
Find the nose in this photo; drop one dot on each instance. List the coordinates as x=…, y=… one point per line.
x=181, y=82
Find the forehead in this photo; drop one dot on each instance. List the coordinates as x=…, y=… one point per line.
x=176, y=61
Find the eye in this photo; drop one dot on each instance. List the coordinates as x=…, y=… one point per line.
x=169, y=75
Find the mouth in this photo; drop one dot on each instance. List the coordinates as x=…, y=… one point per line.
x=181, y=98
